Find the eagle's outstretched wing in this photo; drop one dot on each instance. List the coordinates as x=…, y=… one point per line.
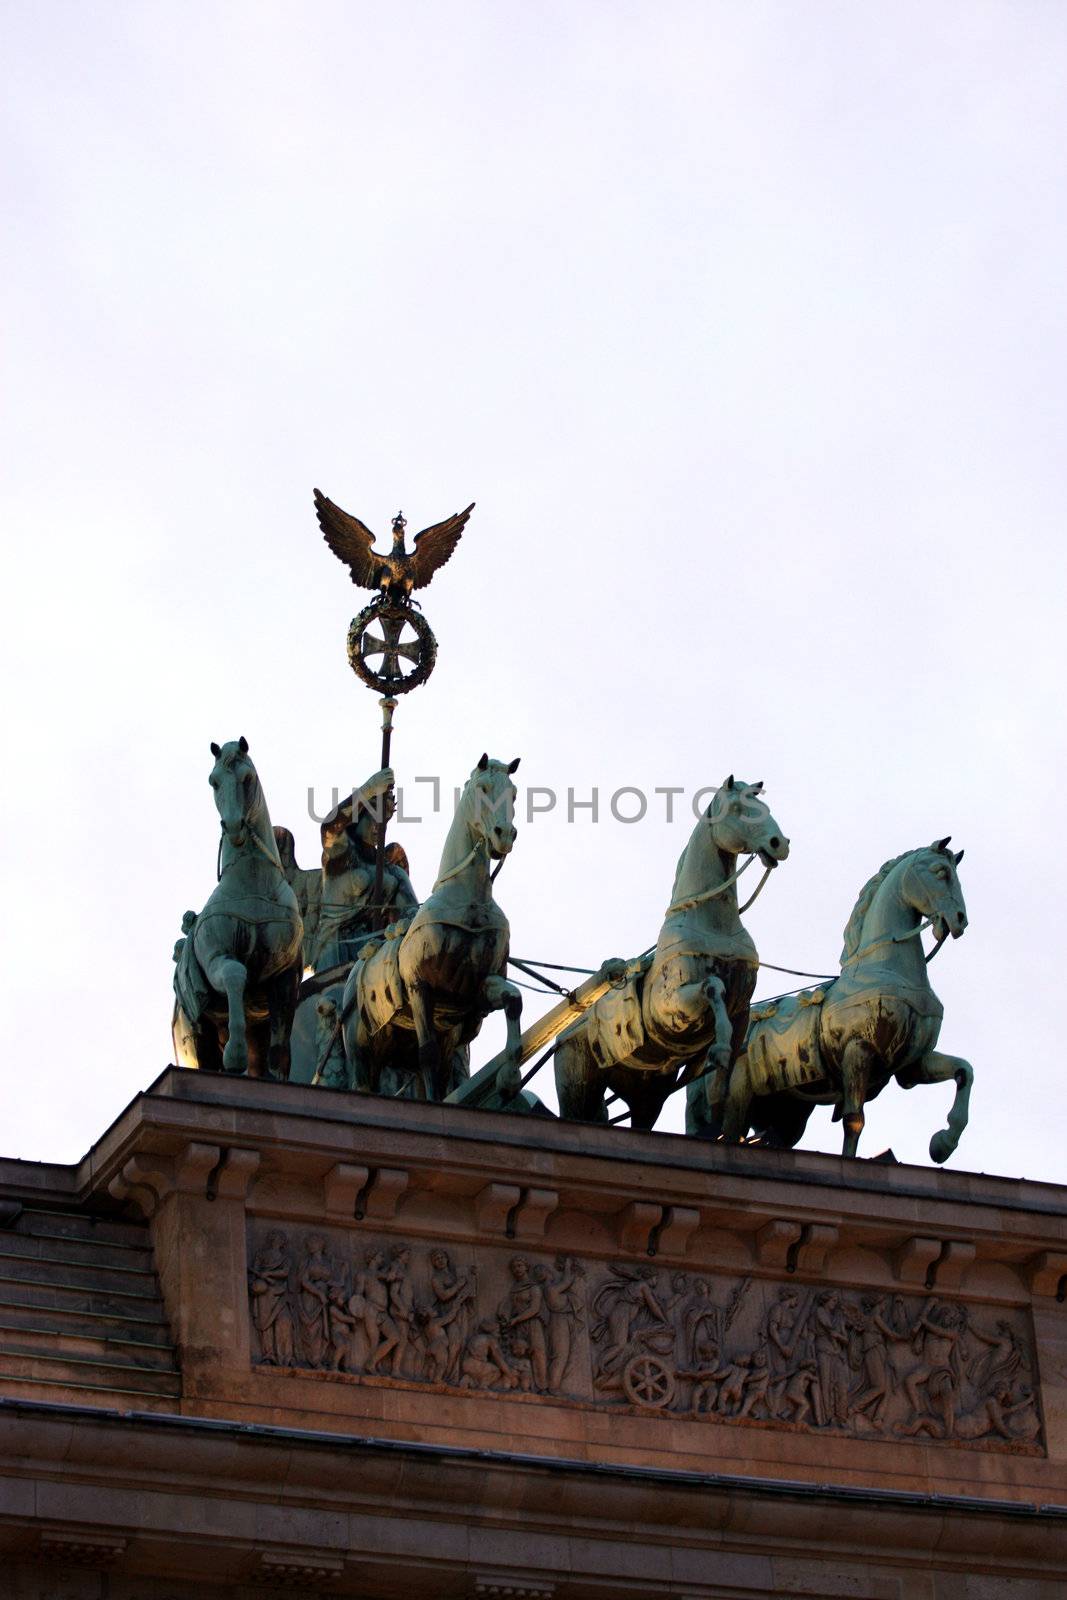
x=433, y=546
x=349, y=539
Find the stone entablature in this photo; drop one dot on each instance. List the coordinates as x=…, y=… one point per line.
x=925, y=1347
x=434, y=1351
x=354, y=1306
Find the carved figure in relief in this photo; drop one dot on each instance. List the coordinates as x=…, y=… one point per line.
x=936, y=1380
x=372, y=1293
x=401, y=1301
x=316, y=1274
x=831, y=1357
x=875, y=1389
x=733, y=1376
x=272, y=1314
x=434, y=1325
x=456, y=1291
x=705, y=1376
x=521, y=1316
x=758, y=1380
x=342, y=1322
x=564, y=1314
x=484, y=1364
x=701, y=1323
x=1001, y=1361
x=992, y=1414
x=898, y=1330
x=629, y=1313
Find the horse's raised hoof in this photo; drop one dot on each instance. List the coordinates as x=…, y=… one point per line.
x=234, y=1060
x=941, y=1146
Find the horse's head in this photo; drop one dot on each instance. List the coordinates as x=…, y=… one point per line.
x=932, y=888
x=492, y=805
x=741, y=823
x=236, y=786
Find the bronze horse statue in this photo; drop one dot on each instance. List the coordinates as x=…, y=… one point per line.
x=417, y=996
x=841, y=1044
x=239, y=966
x=685, y=1010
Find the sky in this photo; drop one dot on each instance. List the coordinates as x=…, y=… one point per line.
x=743, y=325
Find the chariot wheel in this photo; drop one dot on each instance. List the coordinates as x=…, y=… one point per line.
x=391, y=647
x=648, y=1382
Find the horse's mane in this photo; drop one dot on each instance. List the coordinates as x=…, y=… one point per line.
x=854, y=925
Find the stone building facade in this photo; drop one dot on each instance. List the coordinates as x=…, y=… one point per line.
x=266, y=1337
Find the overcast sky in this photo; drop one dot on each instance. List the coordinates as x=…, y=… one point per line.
x=744, y=326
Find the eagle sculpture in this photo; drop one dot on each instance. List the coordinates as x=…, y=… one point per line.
x=395, y=574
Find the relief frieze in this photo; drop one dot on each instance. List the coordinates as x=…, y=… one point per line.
x=869, y=1364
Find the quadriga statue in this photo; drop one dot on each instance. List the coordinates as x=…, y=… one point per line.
x=841, y=1044
x=239, y=966
x=419, y=993
x=685, y=1009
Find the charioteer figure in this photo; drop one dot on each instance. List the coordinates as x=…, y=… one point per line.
x=339, y=901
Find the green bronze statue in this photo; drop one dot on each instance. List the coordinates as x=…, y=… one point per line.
x=238, y=967
x=686, y=1009
x=841, y=1044
x=338, y=900
x=419, y=993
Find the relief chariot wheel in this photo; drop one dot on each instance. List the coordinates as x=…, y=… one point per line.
x=401, y=637
x=648, y=1382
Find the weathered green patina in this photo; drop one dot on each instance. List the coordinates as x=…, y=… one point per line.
x=238, y=968
x=431, y=980
x=842, y=1043
x=690, y=1004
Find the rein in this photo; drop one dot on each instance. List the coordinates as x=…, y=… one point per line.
x=454, y=872
x=713, y=894
x=260, y=846
x=895, y=938
x=754, y=896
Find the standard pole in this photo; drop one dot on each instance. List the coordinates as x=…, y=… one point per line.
x=388, y=705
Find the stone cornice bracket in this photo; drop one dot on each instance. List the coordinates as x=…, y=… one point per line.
x=382, y=1193
x=144, y=1182
x=1047, y=1274
x=493, y=1206
x=207, y=1171
x=341, y=1188
x=296, y=1569
x=809, y=1254
x=671, y=1235
x=232, y=1174
x=530, y=1217
x=948, y=1270
x=636, y=1225
x=352, y=1193
x=504, y=1208
x=215, y=1172
x=934, y=1263
x=912, y=1262
x=88, y=1549
x=775, y=1240
x=504, y=1586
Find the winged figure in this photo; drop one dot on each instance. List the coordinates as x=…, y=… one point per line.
x=402, y=570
